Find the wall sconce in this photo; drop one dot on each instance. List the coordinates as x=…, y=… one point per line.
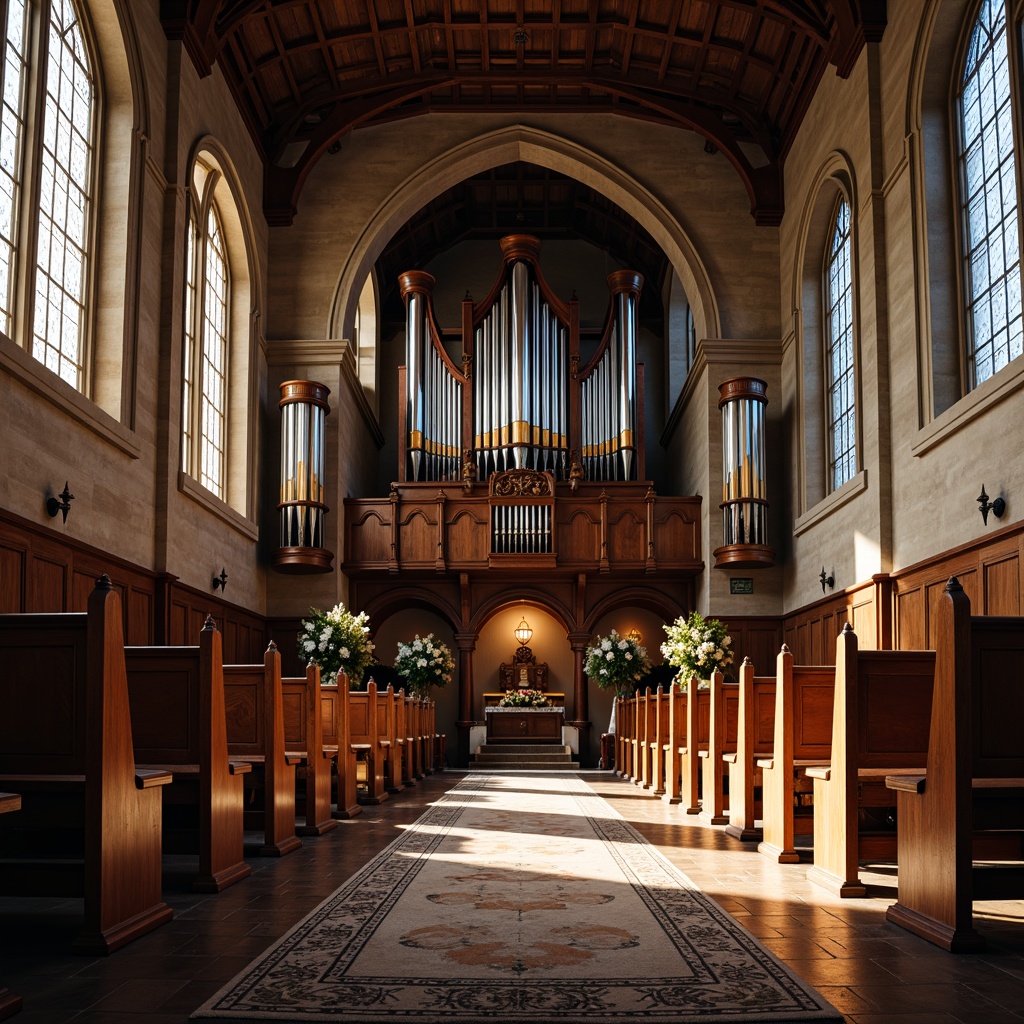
x=827, y=579
x=62, y=503
x=302, y=510
x=744, y=493
x=523, y=633
x=220, y=581
x=635, y=635
x=997, y=506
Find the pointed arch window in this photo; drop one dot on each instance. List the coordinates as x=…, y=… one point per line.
x=988, y=199
x=47, y=185
x=840, y=389
x=206, y=341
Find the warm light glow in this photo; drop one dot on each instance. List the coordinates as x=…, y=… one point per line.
x=635, y=635
x=523, y=632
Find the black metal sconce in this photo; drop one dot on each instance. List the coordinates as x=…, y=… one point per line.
x=828, y=579
x=997, y=506
x=220, y=581
x=62, y=503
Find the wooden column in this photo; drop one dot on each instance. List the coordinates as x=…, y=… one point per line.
x=581, y=699
x=467, y=645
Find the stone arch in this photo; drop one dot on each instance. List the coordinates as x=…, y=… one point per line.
x=506, y=145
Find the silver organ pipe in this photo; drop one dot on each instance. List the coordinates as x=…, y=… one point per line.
x=522, y=389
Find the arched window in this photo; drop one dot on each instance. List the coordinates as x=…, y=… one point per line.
x=219, y=410
x=840, y=398
x=205, y=371
x=47, y=184
x=988, y=199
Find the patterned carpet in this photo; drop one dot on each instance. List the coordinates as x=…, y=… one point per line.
x=518, y=900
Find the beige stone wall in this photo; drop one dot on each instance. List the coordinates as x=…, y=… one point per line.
x=920, y=471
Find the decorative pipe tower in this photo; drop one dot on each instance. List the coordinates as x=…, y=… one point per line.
x=744, y=494
x=304, y=409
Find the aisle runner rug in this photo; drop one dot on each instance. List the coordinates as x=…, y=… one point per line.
x=518, y=900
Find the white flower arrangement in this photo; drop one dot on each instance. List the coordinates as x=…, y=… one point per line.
x=697, y=647
x=337, y=641
x=617, y=661
x=424, y=662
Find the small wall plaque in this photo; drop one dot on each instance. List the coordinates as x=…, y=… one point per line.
x=741, y=585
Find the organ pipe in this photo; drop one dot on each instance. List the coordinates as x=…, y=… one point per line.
x=744, y=492
x=302, y=509
x=523, y=343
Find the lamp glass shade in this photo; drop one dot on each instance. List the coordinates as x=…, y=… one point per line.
x=522, y=632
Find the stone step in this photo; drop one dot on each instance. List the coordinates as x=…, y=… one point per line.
x=536, y=766
x=514, y=750
x=488, y=756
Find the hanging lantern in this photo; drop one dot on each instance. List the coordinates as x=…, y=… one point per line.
x=301, y=509
x=744, y=495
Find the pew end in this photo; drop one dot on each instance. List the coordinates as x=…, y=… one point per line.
x=961, y=820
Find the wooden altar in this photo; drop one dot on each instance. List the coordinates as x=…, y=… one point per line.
x=524, y=725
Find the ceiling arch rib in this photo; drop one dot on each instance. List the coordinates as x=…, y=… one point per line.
x=741, y=72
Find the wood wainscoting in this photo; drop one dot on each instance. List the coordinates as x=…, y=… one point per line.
x=41, y=571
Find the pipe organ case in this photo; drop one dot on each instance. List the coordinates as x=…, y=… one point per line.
x=520, y=399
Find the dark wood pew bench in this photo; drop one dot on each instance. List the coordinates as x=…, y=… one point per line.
x=304, y=738
x=723, y=720
x=90, y=817
x=179, y=725
x=880, y=719
x=335, y=726
x=802, y=739
x=755, y=734
x=254, y=705
x=961, y=821
x=10, y=1002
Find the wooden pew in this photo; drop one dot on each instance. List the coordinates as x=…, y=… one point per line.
x=334, y=710
x=387, y=732
x=179, y=724
x=404, y=740
x=695, y=739
x=803, y=738
x=304, y=737
x=880, y=719
x=958, y=818
x=645, y=736
x=254, y=705
x=755, y=732
x=625, y=710
x=89, y=822
x=674, y=743
x=10, y=1002
x=723, y=709
x=659, y=751
x=365, y=740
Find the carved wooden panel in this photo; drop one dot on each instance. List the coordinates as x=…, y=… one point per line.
x=12, y=579
x=812, y=714
x=627, y=537
x=369, y=538
x=895, y=708
x=468, y=539
x=1002, y=586
x=579, y=537
x=417, y=539
x=764, y=713
x=676, y=536
x=47, y=585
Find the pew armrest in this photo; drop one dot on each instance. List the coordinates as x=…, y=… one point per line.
x=821, y=771
x=148, y=778
x=765, y=762
x=729, y=758
x=239, y=767
x=360, y=748
x=10, y=802
x=293, y=759
x=905, y=783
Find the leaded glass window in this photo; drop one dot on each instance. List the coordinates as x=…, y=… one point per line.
x=214, y=358
x=988, y=195
x=840, y=396
x=12, y=141
x=65, y=197
x=206, y=341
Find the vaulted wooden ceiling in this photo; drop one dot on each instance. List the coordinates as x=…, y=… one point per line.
x=739, y=72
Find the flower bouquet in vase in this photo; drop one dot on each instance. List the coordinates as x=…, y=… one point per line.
x=617, y=662
x=424, y=662
x=337, y=641
x=697, y=647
